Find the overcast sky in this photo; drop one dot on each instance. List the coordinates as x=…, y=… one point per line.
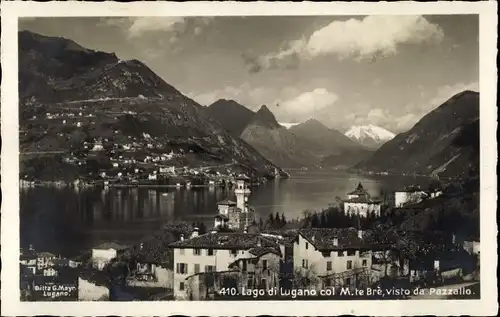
x=343, y=71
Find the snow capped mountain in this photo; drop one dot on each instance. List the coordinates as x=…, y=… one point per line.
x=369, y=135
x=288, y=125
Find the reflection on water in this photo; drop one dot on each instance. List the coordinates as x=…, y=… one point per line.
x=70, y=220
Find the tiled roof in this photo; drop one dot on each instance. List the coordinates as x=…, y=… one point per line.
x=357, y=192
x=46, y=255
x=281, y=237
x=225, y=240
x=259, y=251
x=323, y=238
x=411, y=189
x=28, y=256
x=227, y=202
x=61, y=262
x=363, y=200
x=111, y=245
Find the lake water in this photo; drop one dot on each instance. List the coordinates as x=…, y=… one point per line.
x=68, y=221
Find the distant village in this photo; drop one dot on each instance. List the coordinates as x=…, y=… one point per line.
x=118, y=160
x=239, y=258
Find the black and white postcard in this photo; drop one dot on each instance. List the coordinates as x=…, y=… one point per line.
x=309, y=157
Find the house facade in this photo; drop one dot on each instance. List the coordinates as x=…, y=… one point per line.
x=410, y=195
x=332, y=257
x=218, y=252
x=104, y=253
x=44, y=260
x=360, y=203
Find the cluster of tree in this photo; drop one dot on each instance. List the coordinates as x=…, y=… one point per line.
x=334, y=217
x=458, y=214
x=202, y=229
x=274, y=221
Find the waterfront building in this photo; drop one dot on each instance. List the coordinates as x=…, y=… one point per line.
x=236, y=215
x=360, y=203
x=218, y=252
x=332, y=257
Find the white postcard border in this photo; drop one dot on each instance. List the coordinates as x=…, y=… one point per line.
x=10, y=161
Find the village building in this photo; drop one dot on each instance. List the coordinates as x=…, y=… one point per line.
x=222, y=252
x=236, y=215
x=442, y=266
x=331, y=257
x=472, y=246
x=28, y=261
x=409, y=195
x=104, y=253
x=44, y=260
x=360, y=203
x=153, y=267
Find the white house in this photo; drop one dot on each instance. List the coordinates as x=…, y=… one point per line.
x=104, y=253
x=213, y=252
x=360, y=203
x=44, y=260
x=49, y=271
x=334, y=257
x=98, y=146
x=471, y=246
x=410, y=195
x=29, y=260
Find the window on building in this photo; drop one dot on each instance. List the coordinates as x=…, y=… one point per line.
x=209, y=268
x=196, y=268
x=365, y=263
x=328, y=283
x=307, y=245
x=244, y=266
x=181, y=251
x=197, y=251
x=264, y=265
x=348, y=281
x=181, y=286
x=326, y=254
x=351, y=252
x=304, y=263
x=182, y=268
x=210, y=252
x=349, y=265
x=263, y=282
x=250, y=283
x=329, y=265
x=340, y=253
x=234, y=252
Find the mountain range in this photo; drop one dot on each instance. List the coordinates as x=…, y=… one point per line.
x=309, y=143
x=445, y=142
x=70, y=95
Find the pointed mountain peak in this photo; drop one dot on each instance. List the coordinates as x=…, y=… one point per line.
x=266, y=117
x=314, y=123
x=226, y=102
x=264, y=108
